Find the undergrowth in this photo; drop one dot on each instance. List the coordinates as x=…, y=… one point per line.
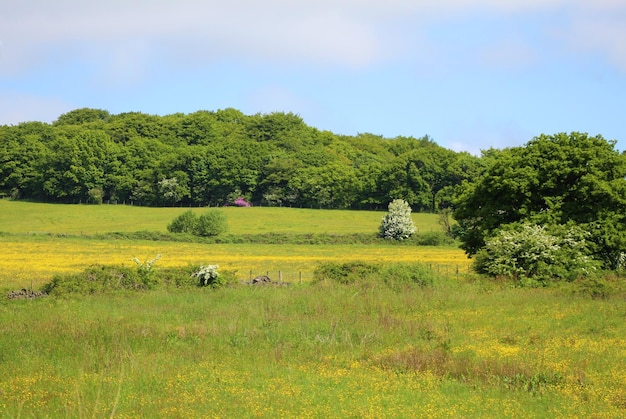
x=394, y=275
x=102, y=279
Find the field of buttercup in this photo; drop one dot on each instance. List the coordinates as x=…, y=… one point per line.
x=458, y=346
x=46, y=239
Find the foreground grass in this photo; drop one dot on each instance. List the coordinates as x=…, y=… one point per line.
x=457, y=349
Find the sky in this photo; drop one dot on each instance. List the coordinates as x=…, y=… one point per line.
x=470, y=74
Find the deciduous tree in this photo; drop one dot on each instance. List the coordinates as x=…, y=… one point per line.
x=552, y=180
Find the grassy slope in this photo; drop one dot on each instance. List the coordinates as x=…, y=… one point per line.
x=26, y=217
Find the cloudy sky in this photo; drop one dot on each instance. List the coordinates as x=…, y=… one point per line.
x=471, y=74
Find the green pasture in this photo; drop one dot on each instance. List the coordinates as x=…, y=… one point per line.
x=26, y=217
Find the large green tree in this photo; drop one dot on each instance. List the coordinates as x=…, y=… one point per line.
x=553, y=180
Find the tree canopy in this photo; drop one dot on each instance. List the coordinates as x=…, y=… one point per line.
x=561, y=179
x=213, y=157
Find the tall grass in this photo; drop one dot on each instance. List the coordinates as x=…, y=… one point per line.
x=453, y=349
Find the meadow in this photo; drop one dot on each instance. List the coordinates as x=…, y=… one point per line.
x=46, y=239
x=463, y=346
x=26, y=217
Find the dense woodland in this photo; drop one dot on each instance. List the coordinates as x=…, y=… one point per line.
x=213, y=157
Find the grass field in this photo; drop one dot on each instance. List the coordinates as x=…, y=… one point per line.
x=45, y=239
x=457, y=349
x=25, y=217
x=462, y=347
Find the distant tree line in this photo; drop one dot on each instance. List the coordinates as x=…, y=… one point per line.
x=211, y=158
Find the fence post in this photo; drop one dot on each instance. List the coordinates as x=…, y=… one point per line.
x=300, y=273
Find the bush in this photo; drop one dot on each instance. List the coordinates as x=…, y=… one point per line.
x=397, y=223
x=395, y=275
x=103, y=279
x=211, y=223
x=399, y=275
x=207, y=275
x=187, y=222
x=241, y=202
x=146, y=271
x=434, y=238
x=345, y=273
x=530, y=253
x=96, y=279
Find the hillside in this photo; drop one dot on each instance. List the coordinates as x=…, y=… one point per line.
x=214, y=157
x=27, y=217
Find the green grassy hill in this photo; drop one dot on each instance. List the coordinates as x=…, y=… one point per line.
x=28, y=217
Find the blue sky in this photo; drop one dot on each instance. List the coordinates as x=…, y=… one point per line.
x=471, y=74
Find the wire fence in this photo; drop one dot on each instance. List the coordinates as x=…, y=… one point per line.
x=294, y=277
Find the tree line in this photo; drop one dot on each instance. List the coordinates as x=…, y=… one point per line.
x=211, y=158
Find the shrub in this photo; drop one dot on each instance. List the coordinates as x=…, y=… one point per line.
x=434, y=238
x=145, y=271
x=345, y=273
x=95, y=196
x=207, y=275
x=397, y=223
x=96, y=279
x=240, y=202
x=528, y=252
x=211, y=223
x=187, y=222
x=395, y=275
x=399, y=275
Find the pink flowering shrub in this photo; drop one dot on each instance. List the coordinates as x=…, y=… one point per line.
x=240, y=202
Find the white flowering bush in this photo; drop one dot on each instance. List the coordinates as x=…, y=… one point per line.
x=529, y=251
x=208, y=276
x=145, y=270
x=397, y=223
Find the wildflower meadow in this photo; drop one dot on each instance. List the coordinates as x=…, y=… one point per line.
x=454, y=345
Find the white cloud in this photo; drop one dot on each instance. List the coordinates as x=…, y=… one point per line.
x=349, y=33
